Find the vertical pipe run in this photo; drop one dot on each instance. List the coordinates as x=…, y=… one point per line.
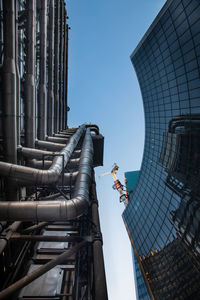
x=61, y=67
x=66, y=78
x=42, y=95
x=50, y=124
x=99, y=269
x=29, y=85
x=9, y=82
x=18, y=109
x=64, y=69
x=56, y=68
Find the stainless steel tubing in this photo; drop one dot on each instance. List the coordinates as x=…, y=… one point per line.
x=56, y=210
x=56, y=68
x=36, y=153
x=62, y=135
x=12, y=228
x=39, y=164
x=57, y=139
x=66, y=77
x=61, y=66
x=50, y=107
x=40, y=271
x=9, y=83
x=46, y=164
x=70, y=178
x=49, y=145
x=64, y=68
x=93, y=127
x=18, y=81
x=29, y=85
x=42, y=94
x=99, y=269
x=26, y=175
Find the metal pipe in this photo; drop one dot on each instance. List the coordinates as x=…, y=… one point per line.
x=56, y=68
x=18, y=81
x=50, y=124
x=35, y=227
x=56, y=210
x=66, y=78
x=61, y=67
x=9, y=82
x=41, y=270
x=99, y=269
x=36, y=153
x=62, y=135
x=64, y=67
x=49, y=145
x=26, y=175
x=93, y=127
x=12, y=228
x=40, y=164
x=57, y=139
x=46, y=238
x=29, y=84
x=42, y=94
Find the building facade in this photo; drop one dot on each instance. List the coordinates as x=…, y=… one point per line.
x=50, y=236
x=140, y=287
x=163, y=216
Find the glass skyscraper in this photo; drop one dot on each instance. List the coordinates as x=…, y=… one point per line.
x=163, y=215
x=141, y=290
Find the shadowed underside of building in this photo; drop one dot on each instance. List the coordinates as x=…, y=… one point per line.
x=50, y=236
x=163, y=214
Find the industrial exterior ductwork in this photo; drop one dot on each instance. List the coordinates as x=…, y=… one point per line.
x=27, y=176
x=46, y=168
x=56, y=210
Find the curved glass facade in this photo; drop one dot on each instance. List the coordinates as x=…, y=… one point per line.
x=163, y=214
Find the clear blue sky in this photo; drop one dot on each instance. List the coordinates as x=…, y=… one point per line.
x=103, y=89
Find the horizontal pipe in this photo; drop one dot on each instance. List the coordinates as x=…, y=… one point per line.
x=27, y=175
x=49, y=145
x=40, y=271
x=57, y=139
x=36, y=153
x=93, y=127
x=57, y=210
x=46, y=238
x=35, y=227
x=62, y=135
x=46, y=164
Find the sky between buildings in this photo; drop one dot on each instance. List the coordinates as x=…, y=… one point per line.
x=103, y=89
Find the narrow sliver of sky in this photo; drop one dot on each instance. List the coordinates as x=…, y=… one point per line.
x=103, y=89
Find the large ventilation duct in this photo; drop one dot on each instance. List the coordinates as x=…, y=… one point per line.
x=61, y=67
x=26, y=176
x=50, y=124
x=57, y=210
x=9, y=83
x=29, y=84
x=56, y=67
x=42, y=94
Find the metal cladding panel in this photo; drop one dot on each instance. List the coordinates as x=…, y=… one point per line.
x=47, y=285
x=98, y=144
x=167, y=63
x=54, y=245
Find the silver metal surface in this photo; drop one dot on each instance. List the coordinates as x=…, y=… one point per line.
x=29, y=84
x=54, y=245
x=42, y=92
x=56, y=210
x=50, y=92
x=47, y=285
x=27, y=175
